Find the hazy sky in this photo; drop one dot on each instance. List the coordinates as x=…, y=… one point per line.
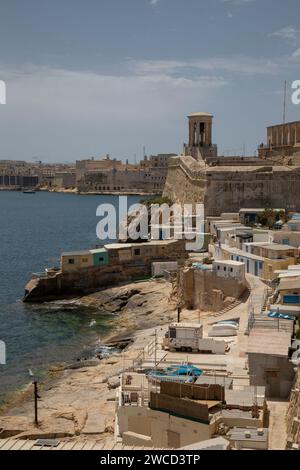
x=109, y=76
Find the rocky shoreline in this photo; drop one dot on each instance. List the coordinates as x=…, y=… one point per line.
x=78, y=399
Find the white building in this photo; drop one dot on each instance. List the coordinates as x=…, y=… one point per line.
x=229, y=269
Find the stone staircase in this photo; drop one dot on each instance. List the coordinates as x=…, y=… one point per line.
x=235, y=304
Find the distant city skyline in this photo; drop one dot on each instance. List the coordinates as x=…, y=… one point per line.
x=112, y=76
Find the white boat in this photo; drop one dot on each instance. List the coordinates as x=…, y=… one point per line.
x=228, y=322
x=223, y=329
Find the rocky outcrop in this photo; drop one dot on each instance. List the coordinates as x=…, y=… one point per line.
x=80, y=402
x=135, y=305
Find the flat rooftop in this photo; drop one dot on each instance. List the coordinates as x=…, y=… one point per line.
x=288, y=284
x=285, y=124
x=213, y=380
x=286, y=309
x=118, y=246
x=245, y=397
x=271, y=246
x=251, y=210
x=187, y=325
x=98, y=250
x=279, y=247
x=269, y=342
x=241, y=253
x=288, y=274
x=76, y=253
x=239, y=434
x=217, y=443
x=228, y=262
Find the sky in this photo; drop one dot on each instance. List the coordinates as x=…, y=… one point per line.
x=95, y=77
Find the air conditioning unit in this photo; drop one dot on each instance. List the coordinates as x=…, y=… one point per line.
x=247, y=435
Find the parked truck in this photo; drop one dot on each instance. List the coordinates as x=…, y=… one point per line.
x=189, y=337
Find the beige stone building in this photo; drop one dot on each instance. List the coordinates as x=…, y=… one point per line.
x=109, y=176
x=227, y=184
x=282, y=139
x=200, y=136
x=174, y=415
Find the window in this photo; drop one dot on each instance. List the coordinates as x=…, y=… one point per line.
x=225, y=269
x=172, y=332
x=71, y=261
x=291, y=299
x=84, y=260
x=101, y=259
x=231, y=270
x=137, y=252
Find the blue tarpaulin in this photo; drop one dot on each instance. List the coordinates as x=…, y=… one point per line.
x=281, y=316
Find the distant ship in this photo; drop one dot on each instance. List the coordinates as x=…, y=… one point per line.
x=29, y=191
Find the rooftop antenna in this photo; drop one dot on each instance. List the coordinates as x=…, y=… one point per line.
x=144, y=151
x=284, y=103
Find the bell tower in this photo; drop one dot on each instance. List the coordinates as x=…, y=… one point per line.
x=200, y=144
x=200, y=130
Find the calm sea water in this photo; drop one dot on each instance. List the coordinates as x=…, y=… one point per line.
x=34, y=230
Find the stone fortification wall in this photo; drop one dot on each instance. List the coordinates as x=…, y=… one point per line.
x=228, y=189
x=186, y=183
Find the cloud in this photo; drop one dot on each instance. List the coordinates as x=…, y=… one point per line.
x=60, y=114
x=289, y=33
x=296, y=54
x=154, y=2
x=237, y=3
x=233, y=64
x=229, y=15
